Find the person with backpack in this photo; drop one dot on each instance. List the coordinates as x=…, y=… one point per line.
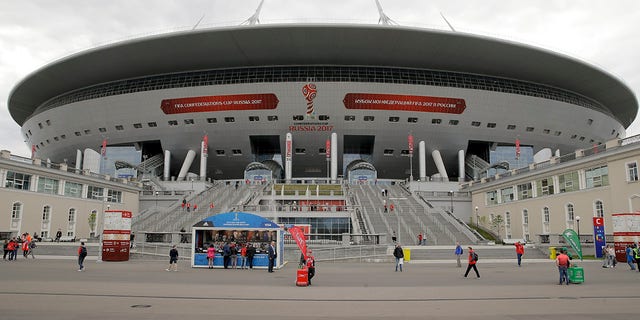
x=473, y=259
x=82, y=253
x=399, y=254
x=458, y=254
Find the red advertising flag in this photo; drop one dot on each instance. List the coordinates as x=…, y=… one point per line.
x=327, y=147
x=410, y=140
x=298, y=235
x=205, y=140
x=517, y=148
x=103, y=151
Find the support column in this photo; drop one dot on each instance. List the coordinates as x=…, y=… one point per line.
x=437, y=158
x=188, y=160
x=422, y=156
x=203, y=160
x=461, y=175
x=334, y=157
x=167, y=165
x=78, y=159
x=288, y=157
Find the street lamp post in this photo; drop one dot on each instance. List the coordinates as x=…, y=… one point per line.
x=156, y=200
x=397, y=216
x=451, y=195
x=477, y=220
x=578, y=223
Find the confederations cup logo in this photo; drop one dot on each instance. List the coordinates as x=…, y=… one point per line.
x=309, y=92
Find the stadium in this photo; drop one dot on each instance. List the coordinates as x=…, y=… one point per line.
x=350, y=96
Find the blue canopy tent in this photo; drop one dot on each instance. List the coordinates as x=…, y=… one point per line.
x=240, y=228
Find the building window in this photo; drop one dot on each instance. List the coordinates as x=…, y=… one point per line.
x=323, y=117
x=272, y=118
x=530, y=129
x=568, y=182
x=412, y=120
x=63, y=136
x=491, y=125
x=546, y=219
x=119, y=127
x=453, y=122
x=300, y=117
x=492, y=197
x=16, y=211
x=525, y=225
x=236, y=152
x=72, y=215
x=394, y=119
x=322, y=151
x=369, y=118
x=152, y=124
x=137, y=125
x=103, y=130
x=87, y=131
x=301, y=150
x=173, y=122
x=546, y=131
x=436, y=121
x=599, y=209
x=254, y=118
x=507, y=225
x=349, y=118
x=632, y=171
x=597, y=177
x=46, y=214
x=77, y=133
x=570, y=214
x=47, y=185
x=212, y=120
x=189, y=121
x=581, y=139
x=17, y=180
x=573, y=136
x=506, y=194
x=220, y=152
x=404, y=152
x=95, y=193
x=511, y=127
x=524, y=191
x=229, y=119
x=388, y=152
x=475, y=123
x=72, y=189
x=545, y=186
x=557, y=133
x=114, y=196
x=56, y=138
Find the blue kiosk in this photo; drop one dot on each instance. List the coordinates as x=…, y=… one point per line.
x=239, y=228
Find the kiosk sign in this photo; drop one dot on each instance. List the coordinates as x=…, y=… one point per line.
x=116, y=235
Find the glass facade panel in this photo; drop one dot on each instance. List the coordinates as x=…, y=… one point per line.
x=524, y=191
x=48, y=185
x=544, y=186
x=597, y=177
x=72, y=189
x=569, y=182
x=17, y=180
x=506, y=194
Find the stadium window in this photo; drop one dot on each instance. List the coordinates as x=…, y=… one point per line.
x=453, y=122
x=323, y=117
x=229, y=119
x=557, y=133
x=491, y=125
x=573, y=136
x=394, y=119
x=475, y=123
x=40, y=125
x=298, y=117
x=349, y=118
x=511, y=127
x=56, y=138
x=369, y=118
x=173, y=122
x=301, y=150
x=581, y=139
x=546, y=131
x=412, y=120
x=272, y=118
x=212, y=120
x=77, y=133
x=530, y=129
x=589, y=121
x=322, y=151
x=119, y=127
x=48, y=122
x=137, y=125
x=436, y=121
x=254, y=118
x=152, y=124
x=236, y=152
x=591, y=141
x=613, y=131
x=87, y=131
x=388, y=152
x=63, y=136
x=30, y=133
x=189, y=121
x=102, y=129
x=47, y=141
x=404, y=152
x=220, y=152
x=41, y=144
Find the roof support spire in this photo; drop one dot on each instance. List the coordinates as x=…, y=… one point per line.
x=384, y=19
x=255, y=18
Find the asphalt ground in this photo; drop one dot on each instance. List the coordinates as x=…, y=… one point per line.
x=53, y=289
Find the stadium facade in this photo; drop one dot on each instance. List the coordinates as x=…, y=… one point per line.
x=247, y=88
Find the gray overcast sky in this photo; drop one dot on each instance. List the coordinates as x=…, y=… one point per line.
x=34, y=33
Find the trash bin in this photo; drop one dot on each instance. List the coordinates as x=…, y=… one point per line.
x=302, y=278
x=576, y=274
x=407, y=254
x=552, y=253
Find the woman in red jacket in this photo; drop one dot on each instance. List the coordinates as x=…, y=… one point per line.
x=473, y=259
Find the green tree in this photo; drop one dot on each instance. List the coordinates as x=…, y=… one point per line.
x=92, y=221
x=496, y=224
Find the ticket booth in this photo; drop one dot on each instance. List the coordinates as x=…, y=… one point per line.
x=238, y=229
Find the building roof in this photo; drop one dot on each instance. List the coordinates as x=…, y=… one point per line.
x=320, y=44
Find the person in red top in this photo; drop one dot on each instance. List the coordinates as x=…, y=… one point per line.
x=473, y=259
x=11, y=247
x=519, y=251
x=311, y=265
x=243, y=257
x=562, y=261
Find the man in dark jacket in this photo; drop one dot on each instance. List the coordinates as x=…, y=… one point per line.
x=271, y=250
x=226, y=255
x=399, y=254
x=251, y=251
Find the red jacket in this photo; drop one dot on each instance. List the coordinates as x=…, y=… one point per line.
x=471, y=261
x=519, y=248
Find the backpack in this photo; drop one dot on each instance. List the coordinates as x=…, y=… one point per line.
x=83, y=252
x=475, y=256
x=32, y=245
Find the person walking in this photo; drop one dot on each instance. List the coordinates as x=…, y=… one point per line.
x=272, y=255
x=629, y=253
x=32, y=245
x=636, y=255
x=251, y=251
x=211, y=253
x=82, y=253
x=5, y=247
x=519, y=252
x=398, y=253
x=458, y=254
x=173, y=259
x=473, y=260
x=562, y=261
x=420, y=238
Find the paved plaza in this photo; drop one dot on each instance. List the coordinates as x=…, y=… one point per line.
x=53, y=289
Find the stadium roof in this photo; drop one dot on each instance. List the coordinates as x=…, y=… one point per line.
x=320, y=44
